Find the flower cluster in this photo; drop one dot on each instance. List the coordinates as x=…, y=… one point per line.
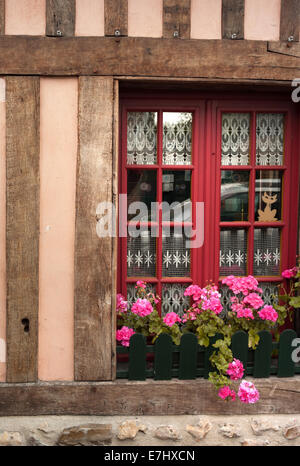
x=121, y=303
x=226, y=393
x=123, y=335
x=235, y=369
x=171, y=318
x=142, y=307
x=290, y=273
x=247, y=392
x=242, y=284
x=203, y=299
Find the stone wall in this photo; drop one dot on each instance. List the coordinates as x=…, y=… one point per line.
x=258, y=430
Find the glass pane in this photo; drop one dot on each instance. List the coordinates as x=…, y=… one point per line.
x=131, y=292
x=235, y=138
x=176, y=193
x=141, y=187
x=141, y=138
x=173, y=299
x=141, y=253
x=269, y=138
x=268, y=195
x=177, y=138
x=233, y=251
x=266, y=251
x=234, y=195
x=176, y=256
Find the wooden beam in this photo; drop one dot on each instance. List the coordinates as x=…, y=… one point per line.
x=176, y=19
x=122, y=398
x=290, y=20
x=285, y=48
x=2, y=17
x=22, y=229
x=116, y=17
x=93, y=254
x=233, y=12
x=135, y=56
x=60, y=18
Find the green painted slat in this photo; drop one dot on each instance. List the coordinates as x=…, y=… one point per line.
x=239, y=347
x=262, y=355
x=209, y=351
x=137, y=357
x=188, y=357
x=286, y=366
x=163, y=357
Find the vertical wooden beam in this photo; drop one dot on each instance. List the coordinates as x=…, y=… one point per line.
x=233, y=12
x=115, y=191
x=93, y=254
x=176, y=18
x=2, y=17
x=22, y=226
x=116, y=17
x=290, y=20
x=60, y=18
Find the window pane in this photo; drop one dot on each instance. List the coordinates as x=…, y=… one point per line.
x=141, y=138
x=132, y=292
x=141, y=253
x=141, y=187
x=233, y=251
x=234, y=195
x=177, y=138
x=266, y=251
x=235, y=138
x=176, y=256
x=173, y=299
x=268, y=195
x=269, y=138
x=176, y=188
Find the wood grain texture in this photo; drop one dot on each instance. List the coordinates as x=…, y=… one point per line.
x=2, y=17
x=290, y=19
x=60, y=18
x=218, y=59
x=175, y=397
x=233, y=12
x=177, y=18
x=93, y=254
x=116, y=17
x=22, y=229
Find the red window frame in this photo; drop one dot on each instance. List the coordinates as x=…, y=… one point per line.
x=206, y=179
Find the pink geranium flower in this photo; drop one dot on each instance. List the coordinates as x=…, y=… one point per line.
x=141, y=284
x=247, y=392
x=123, y=335
x=171, y=318
x=254, y=300
x=268, y=313
x=121, y=303
x=226, y=393
x=142, y=307
x=235, y=369
x=289, y=273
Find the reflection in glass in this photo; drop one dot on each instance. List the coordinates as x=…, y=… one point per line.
x=141, y=138
x=234, y=195
x=268, y=195
x=235, y=138
x=141, y=187
x=269, y=138
x=176, y=194
x=177, y=138
x=233, y=251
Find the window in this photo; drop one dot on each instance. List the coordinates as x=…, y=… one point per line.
x=236, y=160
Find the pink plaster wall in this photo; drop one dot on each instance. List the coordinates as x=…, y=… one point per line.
x=59, y=99
x=206, y=19
x=89, y=18
x=262, y=19
x=25, y=17
x=145, y=18
x=2, y=235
